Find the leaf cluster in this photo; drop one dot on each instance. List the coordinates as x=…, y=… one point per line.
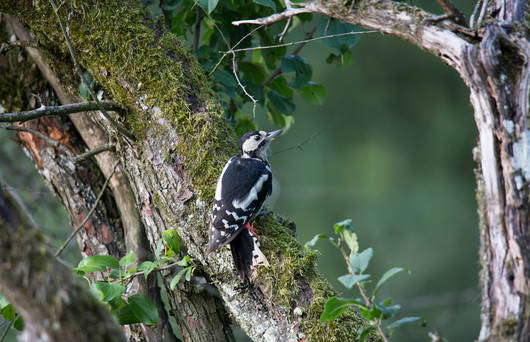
x=270, y=76
x=373, y=310
x=135, y=308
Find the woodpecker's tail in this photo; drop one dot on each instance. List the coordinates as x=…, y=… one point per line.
x=246, y=253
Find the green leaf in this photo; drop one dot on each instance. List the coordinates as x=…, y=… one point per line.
x=172, y=240
x=281, y=86
x=282, y=103
x=19, y=323
x=387, y=311
x=351, y=240
x=116, y=304
x=363, y=332
x=268, y=3
x=118, y=274
x=334, y=26
x=400, y=322
x=359, y=261
x=298, y=65
x=148, y=267
x=95, y=263
x=348, y=280
x=274, y=115
x=8, y=312
x=185, y=261
x=253, y=72
x=334, y=308
x=176, y=279
x=208, y=5
x=225, y=78
x=316, y=238
x=340, y=226
x=113, y=291
x=125, y=315
x=83, y=88
x=189, y=272
x=391, y=272
x=128, y=259
x=342, y=60
x=314, y=93
x=143, y=308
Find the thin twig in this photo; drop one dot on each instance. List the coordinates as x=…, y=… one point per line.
x=229, y=51
x=366, y=299
x=300, y=41
x=453, y=12
x=482, y=13
x=234, y=69
x=59, y=110
x=89, y=214
x=275, y=17
x=41, y=135
x=93, y=152
x=197, y=29
x=474, y=14
x=6, y=46
x=299, y=146
x=284, y=32
x=161, y=268
x=118, y=127
x=278, y=70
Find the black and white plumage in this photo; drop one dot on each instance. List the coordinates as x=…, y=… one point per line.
x=242, y=187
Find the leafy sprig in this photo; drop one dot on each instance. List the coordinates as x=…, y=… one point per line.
x=373, y=310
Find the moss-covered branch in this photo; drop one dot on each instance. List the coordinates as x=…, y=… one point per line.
x=183, y=142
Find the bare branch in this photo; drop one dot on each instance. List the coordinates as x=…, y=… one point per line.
x=118, y=127
x=453, y=12
x=277, y=16
x=93, y=152
x=87, y=217
x=301, y=41
x=60, y=110
x=474, y=14
x=234, y=69
x=43, y=136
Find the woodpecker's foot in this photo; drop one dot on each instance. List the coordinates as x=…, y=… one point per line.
x=262, y=214
x=252, y=229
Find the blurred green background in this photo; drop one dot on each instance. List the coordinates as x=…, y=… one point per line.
x=393, y=153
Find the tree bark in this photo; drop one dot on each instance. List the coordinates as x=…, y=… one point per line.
x=54, y=303
x=179, y=128
x=182, y=142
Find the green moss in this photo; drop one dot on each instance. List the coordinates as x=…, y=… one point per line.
x=509, y=327
x=292, y=270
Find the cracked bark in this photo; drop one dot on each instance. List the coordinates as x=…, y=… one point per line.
x=169, y=185
x=77, y=186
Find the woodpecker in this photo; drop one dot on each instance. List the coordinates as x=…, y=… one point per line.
x=242, y=187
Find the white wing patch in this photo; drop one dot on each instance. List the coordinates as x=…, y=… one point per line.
x=228, y=226
x=236, y=216
x=219, y=187
x=252, y=195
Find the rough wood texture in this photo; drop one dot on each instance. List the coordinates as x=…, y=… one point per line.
x=183, y=142
x=78, y=197
x=55, y=304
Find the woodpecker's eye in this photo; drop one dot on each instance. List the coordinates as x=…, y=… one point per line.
x=256, y=137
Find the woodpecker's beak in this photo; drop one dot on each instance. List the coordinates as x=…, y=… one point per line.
x=271, y=135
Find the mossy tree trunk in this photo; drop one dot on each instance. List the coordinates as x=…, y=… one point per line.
x=166, y=177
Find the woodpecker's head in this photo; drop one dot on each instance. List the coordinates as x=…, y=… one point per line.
x=255, y=144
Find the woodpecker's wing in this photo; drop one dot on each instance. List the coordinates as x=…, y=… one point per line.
x=241, y=190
